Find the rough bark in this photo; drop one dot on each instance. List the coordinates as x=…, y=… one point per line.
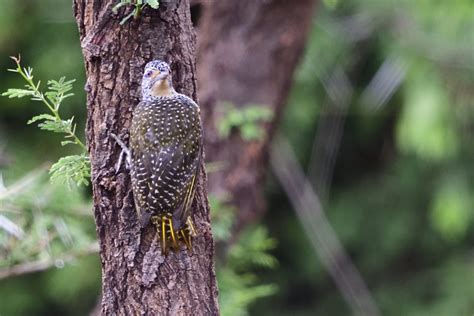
x=136, y=278
x=248, y=51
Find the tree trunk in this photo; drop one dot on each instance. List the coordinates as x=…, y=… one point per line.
x=136, y=278
x=248, y=51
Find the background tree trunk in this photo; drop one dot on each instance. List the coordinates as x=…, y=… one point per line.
x=248, y=51
x=136, y=278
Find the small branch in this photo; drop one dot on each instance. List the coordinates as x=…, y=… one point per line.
x=42, y=265
x=327, y=140
x=38, y=95
x=20, y=184
x=319, y=231
x=11, y=228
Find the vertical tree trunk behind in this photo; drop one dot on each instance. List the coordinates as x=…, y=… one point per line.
x=248, y=51
x=136, y=278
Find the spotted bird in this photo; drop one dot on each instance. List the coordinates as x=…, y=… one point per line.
x=165, y=149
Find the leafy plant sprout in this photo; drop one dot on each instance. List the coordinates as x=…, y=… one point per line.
x=74, y=168
x=247, y=120
x=137, y=5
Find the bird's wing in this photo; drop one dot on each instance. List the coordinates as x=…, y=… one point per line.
x=183, y=210
x=157, y=177
x=141, y=172
x=164, y=175
x=193, y=159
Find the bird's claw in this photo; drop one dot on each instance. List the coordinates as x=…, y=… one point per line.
x=125, y=151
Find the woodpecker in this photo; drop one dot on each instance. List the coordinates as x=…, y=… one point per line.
x=165, y=153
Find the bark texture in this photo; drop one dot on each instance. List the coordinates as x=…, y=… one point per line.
x=248, y=51
x=136, y=278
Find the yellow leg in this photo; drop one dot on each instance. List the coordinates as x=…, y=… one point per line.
x=175, y=245
x=191, y=226
x=163, y=235
x=186, y=241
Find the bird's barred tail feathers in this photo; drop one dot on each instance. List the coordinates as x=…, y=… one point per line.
x=169, y=236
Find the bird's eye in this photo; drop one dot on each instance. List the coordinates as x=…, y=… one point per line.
x=148, y=73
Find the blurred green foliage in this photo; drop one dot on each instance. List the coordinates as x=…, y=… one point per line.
x=51, y=220
x=427, y=126
x=237, y=258
x=71, y=290
x=401, y=195
x=70, y=169
x=247, y=120
x=53, y=228
x=57, y=223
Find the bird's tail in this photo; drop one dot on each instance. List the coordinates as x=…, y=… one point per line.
x=169, y=236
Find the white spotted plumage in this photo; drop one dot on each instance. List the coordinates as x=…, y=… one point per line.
x=165, y=144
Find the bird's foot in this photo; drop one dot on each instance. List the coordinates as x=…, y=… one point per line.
x=125, y=150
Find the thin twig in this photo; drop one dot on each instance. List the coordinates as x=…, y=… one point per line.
x=329, y=134
x=319, y=231
x=19, y=185
x=26, y=73
x=46, y=264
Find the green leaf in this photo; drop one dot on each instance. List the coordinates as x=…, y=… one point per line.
x=427, y=126
x=222, y=218
x=75, y=168
x=41, y=117
x=61, y=86
x=258, y=113
x=331, y=4
x=238, y=291
x=58, y=91
x=56, y=126
x=153, y=3
x=66, y=142
x=251, y=131
x=223, y=129
x=451, y=212
x=235, y=117
x=18, y=93
x=252, y=249
x=247, y=120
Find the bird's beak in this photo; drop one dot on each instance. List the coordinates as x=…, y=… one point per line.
x=159, y=76
x=156, y=77
x=155, y=74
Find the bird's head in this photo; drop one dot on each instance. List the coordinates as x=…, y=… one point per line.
x=157, y=79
